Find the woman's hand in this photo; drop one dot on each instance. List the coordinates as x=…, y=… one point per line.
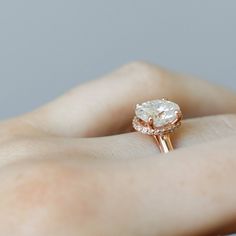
x=62, y=173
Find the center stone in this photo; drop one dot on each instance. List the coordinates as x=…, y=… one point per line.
x=162, y=112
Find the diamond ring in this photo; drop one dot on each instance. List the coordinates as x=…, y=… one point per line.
x=158, y=118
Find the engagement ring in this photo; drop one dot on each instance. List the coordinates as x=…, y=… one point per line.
x=158, y=118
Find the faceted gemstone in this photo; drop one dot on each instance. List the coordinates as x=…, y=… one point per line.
x=162, y=112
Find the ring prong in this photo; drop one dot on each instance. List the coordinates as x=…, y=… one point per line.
x=179, y=114
x=150, y=122
x=178, y=118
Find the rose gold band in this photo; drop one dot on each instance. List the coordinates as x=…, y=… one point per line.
x=164, y=143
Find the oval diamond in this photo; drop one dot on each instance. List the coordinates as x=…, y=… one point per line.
x=162, y=112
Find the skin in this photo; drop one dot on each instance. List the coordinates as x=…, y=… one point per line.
x=73, y=166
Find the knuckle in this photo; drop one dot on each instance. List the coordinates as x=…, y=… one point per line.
x=143, y=73
x=141, y=67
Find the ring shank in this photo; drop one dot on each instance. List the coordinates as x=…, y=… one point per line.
x=164, y=143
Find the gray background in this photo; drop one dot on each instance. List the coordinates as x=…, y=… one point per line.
x=49, y=46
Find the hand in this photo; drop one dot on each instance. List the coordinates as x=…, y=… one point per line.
x=73, y=167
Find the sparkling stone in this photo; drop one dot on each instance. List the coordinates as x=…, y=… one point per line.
x=162, y=112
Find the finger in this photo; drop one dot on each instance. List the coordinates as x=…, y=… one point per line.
x=126, y=146
x=190, y=193
x=135, y=145
x=106, y=106
x=194, y=193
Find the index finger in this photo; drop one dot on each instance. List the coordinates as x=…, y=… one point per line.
x=106, y=106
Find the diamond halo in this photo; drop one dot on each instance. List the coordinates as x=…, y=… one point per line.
x=157, y=117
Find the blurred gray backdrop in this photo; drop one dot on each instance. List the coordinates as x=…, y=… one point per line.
x=49, y=46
